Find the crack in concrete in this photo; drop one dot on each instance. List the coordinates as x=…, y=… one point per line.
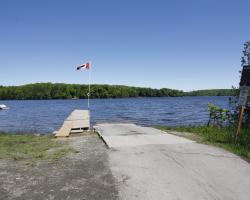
x=205, y=154
x=174, y=159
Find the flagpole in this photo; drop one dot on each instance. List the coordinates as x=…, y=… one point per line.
x=89, y=83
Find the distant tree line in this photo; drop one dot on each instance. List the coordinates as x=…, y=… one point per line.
x=69, y=91
x=213, y=92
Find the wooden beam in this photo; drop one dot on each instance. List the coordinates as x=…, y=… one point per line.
x=241, y=115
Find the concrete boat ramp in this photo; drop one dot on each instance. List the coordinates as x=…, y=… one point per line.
x=150, y=164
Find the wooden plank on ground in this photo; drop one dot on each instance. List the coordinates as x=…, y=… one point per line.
x=80, y=124
x=65, y=129
x=76, y=131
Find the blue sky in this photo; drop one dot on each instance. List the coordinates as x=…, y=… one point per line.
x=178, y=44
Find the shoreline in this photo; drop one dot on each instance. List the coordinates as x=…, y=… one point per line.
x=111, y=98
x=201, y=134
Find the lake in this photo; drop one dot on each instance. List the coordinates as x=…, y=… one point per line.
x=46, y=116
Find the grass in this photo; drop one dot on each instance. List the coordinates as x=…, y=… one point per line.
x=31, y=147
x=221, y=137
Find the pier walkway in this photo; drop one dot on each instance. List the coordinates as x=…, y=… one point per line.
x=77, y=121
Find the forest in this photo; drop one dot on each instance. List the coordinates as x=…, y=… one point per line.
x=69, y=91
x=41, y=91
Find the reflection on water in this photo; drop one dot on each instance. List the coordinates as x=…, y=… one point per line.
x=45, y=116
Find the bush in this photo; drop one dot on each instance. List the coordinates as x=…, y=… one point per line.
x=218, y=116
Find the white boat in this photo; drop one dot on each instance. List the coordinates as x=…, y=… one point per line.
x=2, y=107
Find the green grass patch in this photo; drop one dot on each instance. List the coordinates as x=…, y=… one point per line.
x=221, y=137
x=31, y=147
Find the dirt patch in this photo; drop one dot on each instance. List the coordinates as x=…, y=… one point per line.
x=82, y=175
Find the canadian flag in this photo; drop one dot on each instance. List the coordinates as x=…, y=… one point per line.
x=84, y=66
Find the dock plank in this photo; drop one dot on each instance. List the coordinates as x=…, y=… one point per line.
x=79, y=115
x=78, y=119
x=65, y=129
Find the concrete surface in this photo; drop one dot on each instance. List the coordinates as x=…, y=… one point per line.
x=113, y=135
x=172, y=167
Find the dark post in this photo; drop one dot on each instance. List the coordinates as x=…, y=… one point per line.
x=244, y=84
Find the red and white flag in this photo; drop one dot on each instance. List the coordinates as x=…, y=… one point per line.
x=84, y=66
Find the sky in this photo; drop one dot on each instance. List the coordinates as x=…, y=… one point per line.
x=186, y=45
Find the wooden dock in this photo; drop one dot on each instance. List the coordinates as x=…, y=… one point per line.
x=76, y=122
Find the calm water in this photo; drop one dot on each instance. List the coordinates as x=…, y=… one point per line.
x=46, y=116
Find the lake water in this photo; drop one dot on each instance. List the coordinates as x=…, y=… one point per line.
x=46, y=116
